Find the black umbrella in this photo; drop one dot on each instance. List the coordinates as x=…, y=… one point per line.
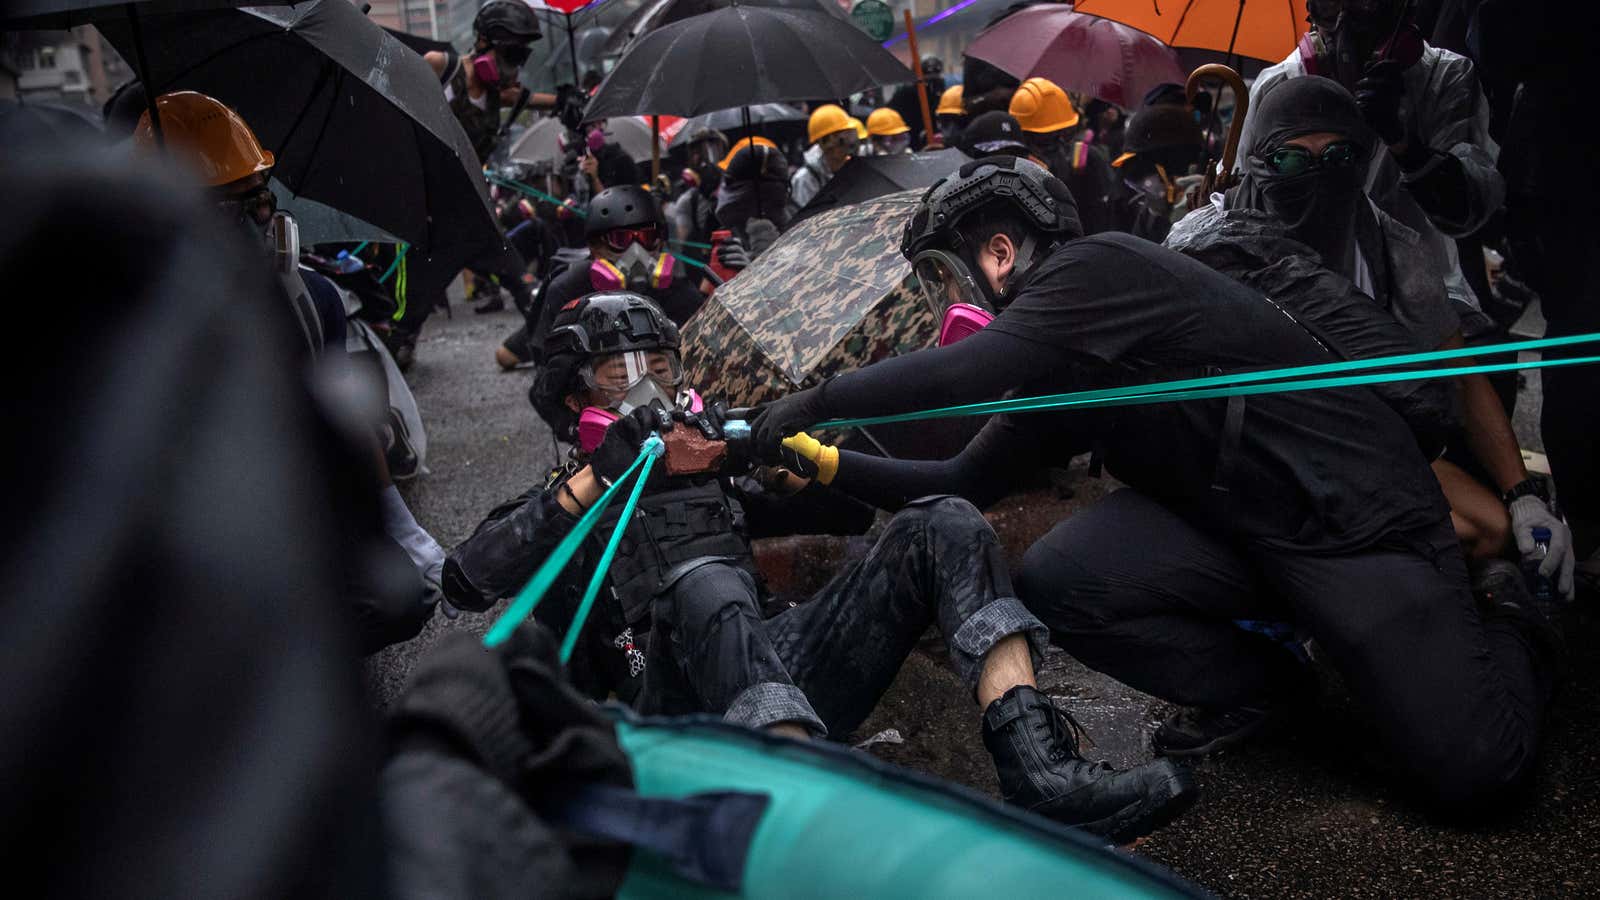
x=870, y=177
x=357, y=121
x=422, y=45
x=726, y=120
x=44, y=125
x=742, y=55
x=653, y=14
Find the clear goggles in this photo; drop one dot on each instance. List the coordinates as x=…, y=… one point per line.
x=944, y=281
x=614, y=374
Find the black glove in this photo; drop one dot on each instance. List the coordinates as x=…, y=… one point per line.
x=731, y=254
x=740, y=460
x=785, y=416
x=623, y=439
x=1378, y=93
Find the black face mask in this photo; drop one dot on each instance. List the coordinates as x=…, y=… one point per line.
x=1317, y=208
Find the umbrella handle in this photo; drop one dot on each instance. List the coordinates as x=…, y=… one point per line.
x=1241, y=105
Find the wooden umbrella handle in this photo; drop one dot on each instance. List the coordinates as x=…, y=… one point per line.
x=1241, y=105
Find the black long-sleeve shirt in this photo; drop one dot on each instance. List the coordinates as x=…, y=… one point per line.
x=1320, y=471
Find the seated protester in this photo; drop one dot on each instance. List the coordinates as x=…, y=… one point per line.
x=1057, y=140
x=681, y=631
x=391, y=589
x=1304, y=175
x=1315, y=507
x=888, y=133
x=627, y=236
x=1161, y=147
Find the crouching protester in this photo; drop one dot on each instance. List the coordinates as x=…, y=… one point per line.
x=682, y=630
x=1317, y=507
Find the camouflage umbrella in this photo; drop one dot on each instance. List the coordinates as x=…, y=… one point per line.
x=833, y=294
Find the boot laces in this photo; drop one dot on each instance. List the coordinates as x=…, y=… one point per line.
x=1066, y=735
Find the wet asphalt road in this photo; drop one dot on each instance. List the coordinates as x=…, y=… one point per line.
x=1302, y=815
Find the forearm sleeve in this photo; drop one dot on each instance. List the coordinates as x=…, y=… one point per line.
x=983, y=472
x=506, y=549
x=982, y=367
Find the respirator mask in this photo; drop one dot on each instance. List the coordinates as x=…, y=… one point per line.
x=487, y=67
x=1350, y=34
x=638, y=267
x=628, y=381
x=956, y=297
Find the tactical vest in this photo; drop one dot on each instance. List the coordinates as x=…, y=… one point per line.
x=481, y=125
x=683, y=522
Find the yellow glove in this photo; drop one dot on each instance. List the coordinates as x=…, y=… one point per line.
x=808, y=457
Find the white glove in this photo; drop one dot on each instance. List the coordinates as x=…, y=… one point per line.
x=1528, y=513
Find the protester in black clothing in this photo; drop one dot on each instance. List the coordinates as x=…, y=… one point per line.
x=1160, y=148
x=1305, y=174
x=908, y=103
x=753, y=198
x=1314, y=507
x=627, y=236
x=682, y=629
x=1528, y=51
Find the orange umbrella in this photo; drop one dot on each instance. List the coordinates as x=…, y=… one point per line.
x=1262, y=29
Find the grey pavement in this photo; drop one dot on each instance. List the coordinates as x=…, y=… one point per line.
x=1304, y=814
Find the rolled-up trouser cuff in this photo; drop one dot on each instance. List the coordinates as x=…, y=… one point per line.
x=771, y=702
x=994, y=621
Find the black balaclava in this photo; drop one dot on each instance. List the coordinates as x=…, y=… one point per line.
x=1319, y=207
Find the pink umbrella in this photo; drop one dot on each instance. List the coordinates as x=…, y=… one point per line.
x=1081, y=53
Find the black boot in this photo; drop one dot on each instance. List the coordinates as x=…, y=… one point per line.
x=1194, y=731
x=1035, y=750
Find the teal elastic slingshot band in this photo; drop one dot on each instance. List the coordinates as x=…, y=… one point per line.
x=1247, y=383
x=540, y=583
x=535, y=193
x=652, y=450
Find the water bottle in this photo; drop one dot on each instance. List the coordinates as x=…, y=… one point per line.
x=348, y=264
x=1539, y=585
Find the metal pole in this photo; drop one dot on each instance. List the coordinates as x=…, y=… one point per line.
x=922, y=83
x=144, y=75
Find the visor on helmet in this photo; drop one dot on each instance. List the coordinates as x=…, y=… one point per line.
x=944, y=280
x=615, y=374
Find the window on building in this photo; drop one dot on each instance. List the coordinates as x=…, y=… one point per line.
x=47, y=57
x=72, y=77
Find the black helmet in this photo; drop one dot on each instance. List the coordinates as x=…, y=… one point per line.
x=931, y=66
x=610, y=322
x=511, y=21
x=595, y=324
x=1040, y=198
x=624, y=206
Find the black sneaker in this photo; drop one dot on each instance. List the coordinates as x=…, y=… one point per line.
x=1501, y=591
x=495, y=303
x=1035, y=750
x=1193, y=731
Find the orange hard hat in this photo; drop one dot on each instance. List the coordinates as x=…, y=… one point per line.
x=206, y=134
x=825, y=120
x=740, y=145
x=860, y=127
x=1040, y=106
x=885, y=122
x=950, y=102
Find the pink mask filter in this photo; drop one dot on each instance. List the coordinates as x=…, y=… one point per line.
x=961, y=321
x=486, y=69
x=593, y=421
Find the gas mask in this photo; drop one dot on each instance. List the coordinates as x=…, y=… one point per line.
x=637, y=269
x=891, y=145
x=957, y=298
x=1350, y=34
x=282, y=234
x=627, y=381
x=492, y=64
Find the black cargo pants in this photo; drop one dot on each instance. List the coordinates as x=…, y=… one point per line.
x=1135, y=591
x=825, y=663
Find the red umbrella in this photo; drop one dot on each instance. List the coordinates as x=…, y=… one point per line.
x=1081, y=53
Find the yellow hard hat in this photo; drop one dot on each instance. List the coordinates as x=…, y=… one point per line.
x=885, y=122
x=950, y=102
x=825, y=120
x=1039, y=106
x=206, y=134
x=742, y=143
x=861, y=129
